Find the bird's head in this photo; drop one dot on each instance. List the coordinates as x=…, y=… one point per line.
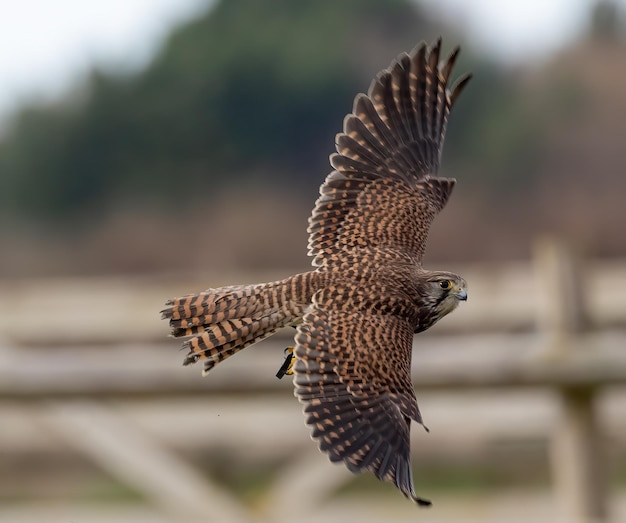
x=442, y=293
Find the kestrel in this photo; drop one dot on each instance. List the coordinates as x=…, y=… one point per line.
x=356, y=312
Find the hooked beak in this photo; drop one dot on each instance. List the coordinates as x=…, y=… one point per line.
x=461, y=295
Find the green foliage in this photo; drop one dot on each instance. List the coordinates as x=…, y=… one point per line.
x=500, y=133
x=250, y=86
x=250, y=89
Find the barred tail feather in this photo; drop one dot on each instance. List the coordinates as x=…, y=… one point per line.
x=221, y=340
x=220, y=322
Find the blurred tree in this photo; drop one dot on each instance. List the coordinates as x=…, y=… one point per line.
x=248, y=89
x=605, y=21
x=248, y=93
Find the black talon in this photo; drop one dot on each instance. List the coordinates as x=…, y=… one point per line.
x=286, y=364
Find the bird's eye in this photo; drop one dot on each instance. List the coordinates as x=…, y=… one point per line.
x=445, y=284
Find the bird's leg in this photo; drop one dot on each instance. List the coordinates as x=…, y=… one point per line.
x=287, y=366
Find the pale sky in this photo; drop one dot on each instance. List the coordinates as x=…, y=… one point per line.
x=45, y=45
x=518, y=30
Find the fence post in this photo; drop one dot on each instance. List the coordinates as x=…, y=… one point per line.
x=578, y=465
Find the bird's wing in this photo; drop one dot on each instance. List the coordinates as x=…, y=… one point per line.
x=388, y=153
x=352, y=373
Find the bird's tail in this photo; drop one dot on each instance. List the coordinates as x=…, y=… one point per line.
x=220, y=322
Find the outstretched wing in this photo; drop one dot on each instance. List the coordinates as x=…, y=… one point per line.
x=384, y=192
x=352, y=373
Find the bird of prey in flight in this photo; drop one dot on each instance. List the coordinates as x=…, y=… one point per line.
x=357, y=310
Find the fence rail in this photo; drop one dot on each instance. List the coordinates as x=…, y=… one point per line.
x=548, y=325
x=83, y=311
x=442, y=363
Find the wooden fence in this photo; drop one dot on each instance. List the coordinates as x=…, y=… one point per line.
x=45, y=325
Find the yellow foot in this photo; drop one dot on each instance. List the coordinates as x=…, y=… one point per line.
x=287, y=366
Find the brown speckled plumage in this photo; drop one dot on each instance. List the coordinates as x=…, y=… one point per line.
x=357, y=311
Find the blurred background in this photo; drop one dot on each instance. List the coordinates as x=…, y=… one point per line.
x=150, y=149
